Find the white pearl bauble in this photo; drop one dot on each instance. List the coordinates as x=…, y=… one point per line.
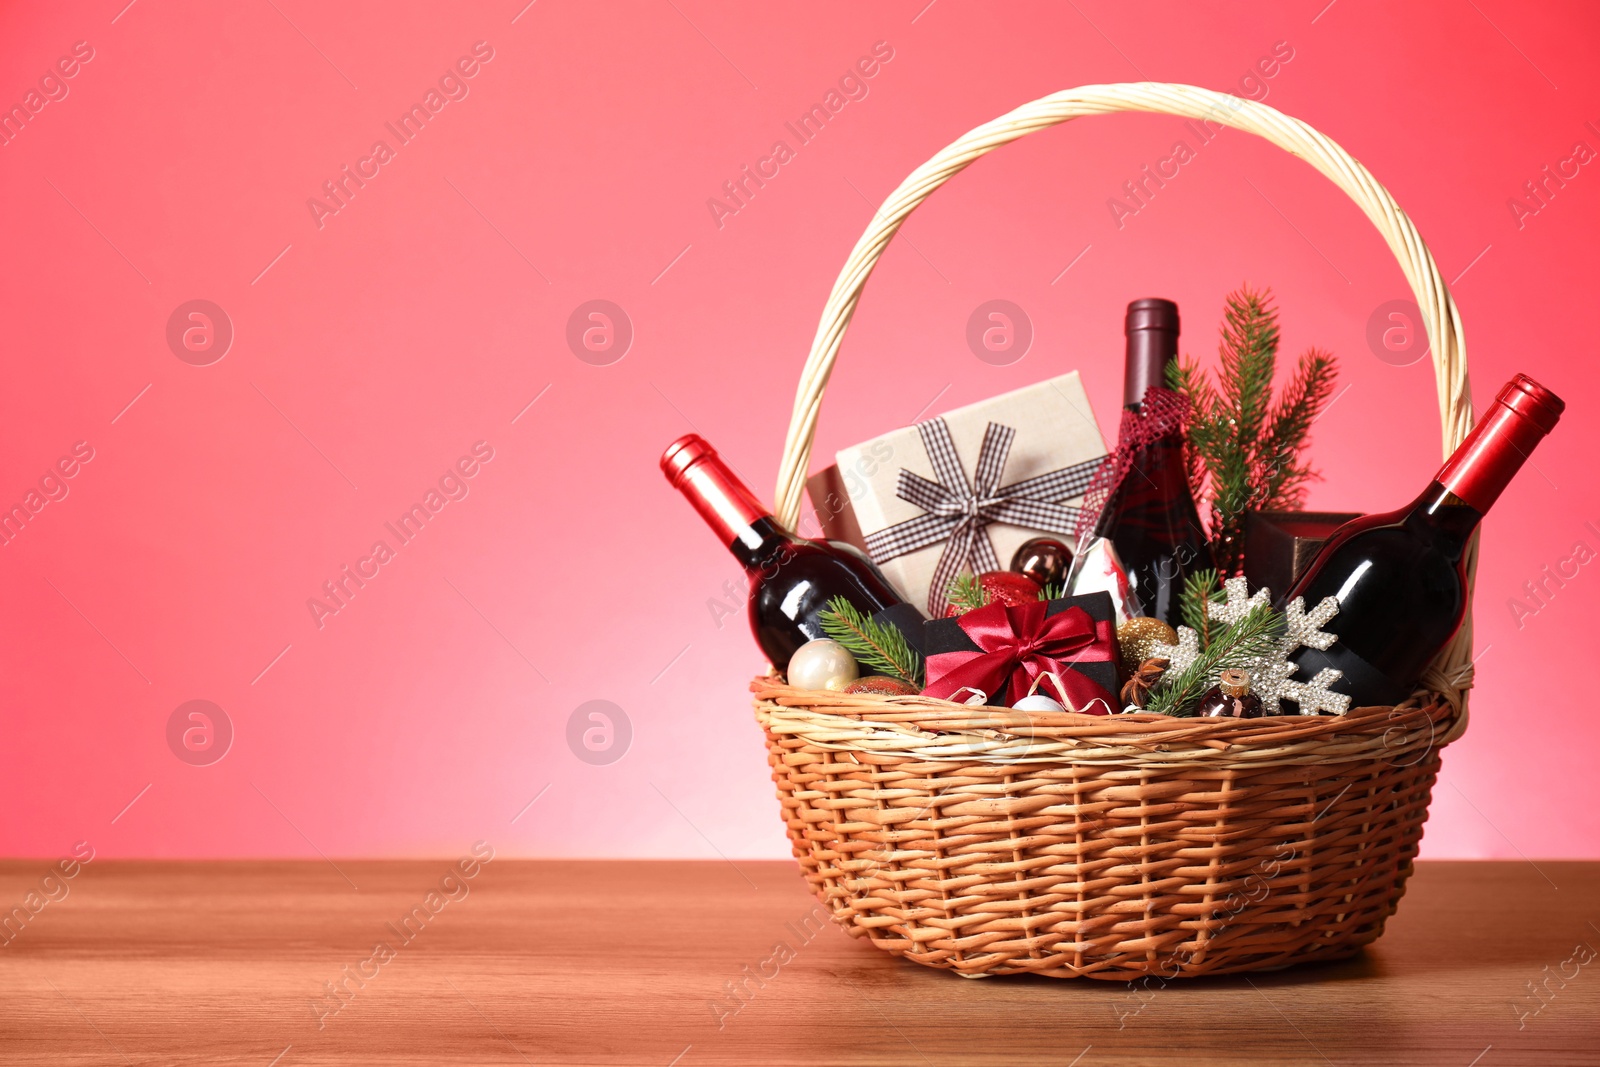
x=1038, y=702
x=822, y=664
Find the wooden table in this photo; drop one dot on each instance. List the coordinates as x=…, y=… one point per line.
x=632, y=963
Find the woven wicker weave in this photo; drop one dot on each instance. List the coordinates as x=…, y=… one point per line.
x=993, y=841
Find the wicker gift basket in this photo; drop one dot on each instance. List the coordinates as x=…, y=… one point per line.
x=994, y=841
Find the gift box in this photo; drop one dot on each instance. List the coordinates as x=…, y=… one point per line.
x=1280, y=545
x=1000, y=651
x=961, y=492
x=833, y=512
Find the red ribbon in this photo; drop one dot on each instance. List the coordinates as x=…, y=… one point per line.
x=1017, y=645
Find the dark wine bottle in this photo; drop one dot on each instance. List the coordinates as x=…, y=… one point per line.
x=1400, y=577
x=791, y=578
x=1150, y=516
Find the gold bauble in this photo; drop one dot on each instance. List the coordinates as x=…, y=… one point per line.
x=1137, y=638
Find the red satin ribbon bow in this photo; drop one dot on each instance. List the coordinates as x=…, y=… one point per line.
x=1016, y=645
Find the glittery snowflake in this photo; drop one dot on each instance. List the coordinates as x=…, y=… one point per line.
x=1270, y=674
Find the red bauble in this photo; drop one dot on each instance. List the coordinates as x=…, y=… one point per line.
x=1008, y=588
x=1044, y=559
x=879, y=685
x=1002, y=587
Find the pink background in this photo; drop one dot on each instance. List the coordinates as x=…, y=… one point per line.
x=373, y=351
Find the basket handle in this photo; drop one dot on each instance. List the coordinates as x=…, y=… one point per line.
x=1451, y=674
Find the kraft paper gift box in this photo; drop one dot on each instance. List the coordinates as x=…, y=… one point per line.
x=963, y=491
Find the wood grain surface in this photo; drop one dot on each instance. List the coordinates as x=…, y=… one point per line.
x=561, y=962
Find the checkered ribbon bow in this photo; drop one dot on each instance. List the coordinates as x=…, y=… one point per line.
x=957, y=512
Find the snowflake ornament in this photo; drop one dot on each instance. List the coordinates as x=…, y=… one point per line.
x=1239, y=603
x=1270, y=674
x=1315, y=697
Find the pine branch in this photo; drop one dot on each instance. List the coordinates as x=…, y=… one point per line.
x=1249, y=359
x=1281, y=484
x=1253, y=635
x=1200, y=589
x=874, y=644
x=1245, y=450
x=967, y=593
x=1053, y=590
x=1186, y=377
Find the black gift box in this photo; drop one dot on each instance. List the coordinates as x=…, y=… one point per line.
x=946, y=635
x=907, y=619
x=1280, y=545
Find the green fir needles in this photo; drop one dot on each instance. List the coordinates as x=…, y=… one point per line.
x=967, y=593
x=1201, y=589
x=1245, y=447
x=874, y=644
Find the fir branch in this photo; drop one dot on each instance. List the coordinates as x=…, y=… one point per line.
x=1253, y=635
x=1249, y=358
x=1053, y=590
x=1186, y=377
x=1281, y=482
x=1245, y=450
x=1200, y=589
x=874, y=644
x=967, y=593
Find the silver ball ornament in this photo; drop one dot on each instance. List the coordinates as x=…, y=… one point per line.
x=822, y=664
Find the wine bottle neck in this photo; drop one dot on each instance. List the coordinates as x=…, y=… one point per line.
x=1151, y=327
x=740, y=521
x=762, y=544
x=1484, y=464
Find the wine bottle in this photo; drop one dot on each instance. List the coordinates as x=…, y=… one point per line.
x=1150, y=516
x=1400, y=577
x=791, y=578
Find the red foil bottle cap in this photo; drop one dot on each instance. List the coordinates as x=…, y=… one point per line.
x=682, y=454
x=727, y=505
x=1151, y=328
x=1522, y=414
x=1532, y=401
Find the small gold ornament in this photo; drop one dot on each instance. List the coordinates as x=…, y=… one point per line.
x=1137, y=638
